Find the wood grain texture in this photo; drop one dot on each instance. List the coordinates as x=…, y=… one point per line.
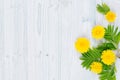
x=37, y=38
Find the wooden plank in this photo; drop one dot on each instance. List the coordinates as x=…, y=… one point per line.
x=15, y=41
x=2, y=49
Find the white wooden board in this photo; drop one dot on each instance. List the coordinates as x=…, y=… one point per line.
x=37, y=38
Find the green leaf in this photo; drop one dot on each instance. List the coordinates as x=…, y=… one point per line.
x=89, y=57
x=112, y=35
x=103, y=8
x=108, y=73
x=106, y=45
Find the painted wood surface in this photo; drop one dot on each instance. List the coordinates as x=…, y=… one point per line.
x=37, y=38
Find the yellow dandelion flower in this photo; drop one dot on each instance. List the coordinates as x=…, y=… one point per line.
x=98, y=32
x=96, y=67
x=108, y=57
x=82, y=45
x=110, y=16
